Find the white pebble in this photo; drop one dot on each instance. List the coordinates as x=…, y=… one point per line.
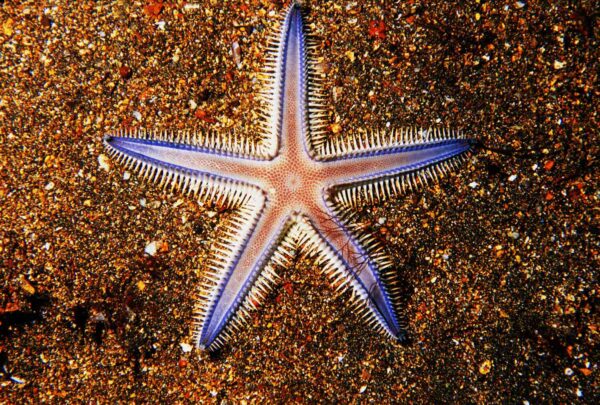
x=151, y=248
x=137, y=115
x=176, y=55
x=512, y=177
x=473, y=184
x=186, y=348
x=363, y=389
x=568, y=371
x=559, y=65
x=49, y=186
x=126, y=175
x=104, y=162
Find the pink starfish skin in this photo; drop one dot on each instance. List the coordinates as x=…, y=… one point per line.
x=293, y=190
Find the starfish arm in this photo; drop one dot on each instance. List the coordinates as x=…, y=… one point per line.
x=348, y=267
x=247, y=277
x=210, y=155
x=389, y=168
x=274, y=77
x=377, y=185
x=239, y=269
x=371, y=163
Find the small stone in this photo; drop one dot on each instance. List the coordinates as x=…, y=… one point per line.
x=485, y=367
x=568, y=371
x=151, y=248
x=49, y=186
x=559, y=65
x=126, y=175
x=185, y=347
x=153, y=9
x=125, y=72
x=137, y=115
x=191, y=7
x=237, y=53
x=26, y=286
x=204, y=116
x=512, y=177
x=362, y=389
x=377, y=29
x=514, y=235
x=176, y=55
x=473, y=184
x=7, y=27
x=45, y=21
x=104, y=162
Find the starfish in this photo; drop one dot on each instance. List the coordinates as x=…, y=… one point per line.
x=295, y=188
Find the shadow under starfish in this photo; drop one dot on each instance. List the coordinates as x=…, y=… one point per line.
x=289, y=187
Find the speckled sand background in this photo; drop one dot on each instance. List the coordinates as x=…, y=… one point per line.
x=499, y=259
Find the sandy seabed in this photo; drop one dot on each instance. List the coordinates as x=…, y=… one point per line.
x=499, y=260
